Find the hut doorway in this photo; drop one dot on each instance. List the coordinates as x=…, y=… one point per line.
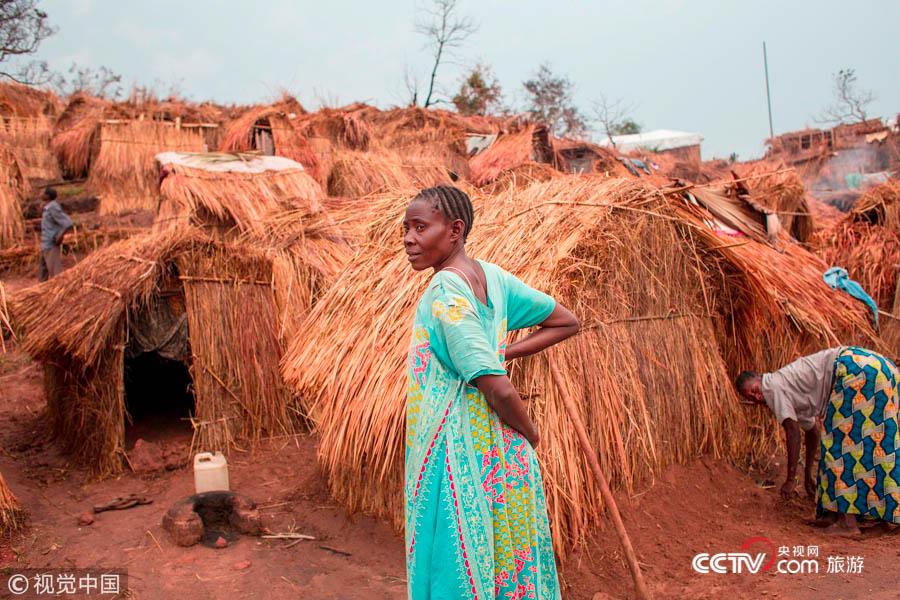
x=159, y=399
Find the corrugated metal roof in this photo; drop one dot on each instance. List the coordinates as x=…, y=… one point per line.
x=658, y=139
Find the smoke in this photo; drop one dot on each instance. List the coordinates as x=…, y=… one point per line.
x=846, y=174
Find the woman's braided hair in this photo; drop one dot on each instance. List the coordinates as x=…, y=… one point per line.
x=452, y=202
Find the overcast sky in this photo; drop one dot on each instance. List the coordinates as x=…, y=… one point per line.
x=692, y=65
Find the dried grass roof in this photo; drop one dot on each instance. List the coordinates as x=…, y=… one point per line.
x=26, y=101
x=77, y=312
x=356, y=174
x=229, y=196
x=508, y=151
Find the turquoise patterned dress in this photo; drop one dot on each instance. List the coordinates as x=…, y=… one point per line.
x=476, y=516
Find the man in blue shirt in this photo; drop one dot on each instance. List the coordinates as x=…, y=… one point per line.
x=54, y=225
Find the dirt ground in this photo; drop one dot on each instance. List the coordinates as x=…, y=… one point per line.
x=707, y=506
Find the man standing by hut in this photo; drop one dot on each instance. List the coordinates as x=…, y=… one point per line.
x=54, y=225
x=848, y=398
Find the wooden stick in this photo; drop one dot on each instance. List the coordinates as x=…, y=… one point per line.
x=287, y=536
x=631, y=558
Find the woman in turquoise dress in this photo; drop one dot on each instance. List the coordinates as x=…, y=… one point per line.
x=476, y=516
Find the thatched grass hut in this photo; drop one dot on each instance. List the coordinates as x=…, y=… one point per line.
x=196, y=318
x=578, y=156
x=529, y=144
x=26, y=101
x=272, y=131
x=228, y=191
x=355, y=174
x=866, y=242
x=26, y=124
x=429, y=134
x=124, y=173
x=14, y=189
x=76, y=135
x=29, y=139
x=658, y=294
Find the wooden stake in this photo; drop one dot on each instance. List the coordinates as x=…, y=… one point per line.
x=631, y=558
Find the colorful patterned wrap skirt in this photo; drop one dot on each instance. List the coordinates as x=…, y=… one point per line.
x=858, y=470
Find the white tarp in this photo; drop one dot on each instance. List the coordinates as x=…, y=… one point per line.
x=224, y=162
x=656, y=140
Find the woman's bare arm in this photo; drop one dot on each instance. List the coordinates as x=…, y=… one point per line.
x=560, y=325
x=503, y=398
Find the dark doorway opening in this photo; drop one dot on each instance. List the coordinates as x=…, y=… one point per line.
x=159, y=399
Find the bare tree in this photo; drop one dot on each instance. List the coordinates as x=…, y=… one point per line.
x=613, y=117
x=850, y=104
x=446, y=31
x=411, y=83
x=23, y=26
x=102, y=82
x=550, y=102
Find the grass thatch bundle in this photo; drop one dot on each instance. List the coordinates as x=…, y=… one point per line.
x=25, y=101
x=522, y=176
x=19, y=258
x=6, y=327
x=880, y=205
x=75, y=138
x=124, y=173
x=232, y=190
x=23, y=258
x=82, y=324
x=356, y=174
x=13, y=189
x=74, y=147
x=649, y=353
x=345, y=129
x=12, y=516
x=29, y=139
x=869, y=252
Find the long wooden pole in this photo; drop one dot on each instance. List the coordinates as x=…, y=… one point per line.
x=630, y=557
